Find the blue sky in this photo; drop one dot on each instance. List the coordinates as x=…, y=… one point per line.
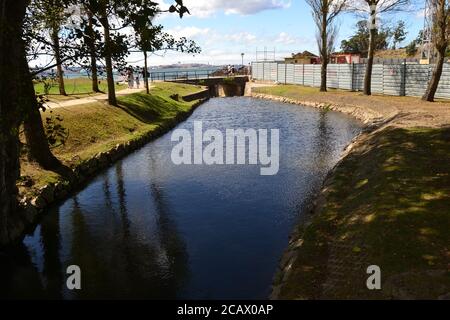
x=225, y=28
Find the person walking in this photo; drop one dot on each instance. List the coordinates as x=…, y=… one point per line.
x=138, y=83
x=130, y=78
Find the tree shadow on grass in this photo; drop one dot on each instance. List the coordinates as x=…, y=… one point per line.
x=147, y=108
x=389, y=205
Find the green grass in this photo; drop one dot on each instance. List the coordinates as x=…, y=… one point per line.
x=389, y=205
x=290, y=91
x=74, y=87
x=98, y=127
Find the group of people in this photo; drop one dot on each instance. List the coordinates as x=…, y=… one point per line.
x=231, y=70
x=133, y=77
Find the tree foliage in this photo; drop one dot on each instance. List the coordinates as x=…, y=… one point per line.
x=359, y=42
x=398, y=33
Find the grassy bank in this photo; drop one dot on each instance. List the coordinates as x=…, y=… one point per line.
x=98, y=127
x=387, y=204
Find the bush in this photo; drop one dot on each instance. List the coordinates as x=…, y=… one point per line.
x=411, y=49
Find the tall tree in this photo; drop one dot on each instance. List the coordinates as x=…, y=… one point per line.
x=49, y=16
x=12, y=13
x=441, y=31
x=374, y=8
x=324, y=13
x=91, y=37
x=115, y=45
x=150, y=38
x=398, y=34
x=37, y=44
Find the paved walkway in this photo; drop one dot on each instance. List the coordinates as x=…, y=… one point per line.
x=93, y=98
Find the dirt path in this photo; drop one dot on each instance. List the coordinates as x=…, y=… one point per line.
x=403, y=111
x=92, y=98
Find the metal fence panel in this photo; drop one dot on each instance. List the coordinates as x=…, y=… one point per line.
x=389, y=79
x=281, y=73
x=290, y=74
x=308, y=75
x=443, y=90
x=393, y=79
x=333, y=76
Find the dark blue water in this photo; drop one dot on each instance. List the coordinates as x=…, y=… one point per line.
x=146, y=228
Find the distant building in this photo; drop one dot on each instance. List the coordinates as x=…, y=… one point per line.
x=304, y=57
x=345, y=57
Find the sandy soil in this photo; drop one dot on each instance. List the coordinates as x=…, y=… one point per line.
x=92, y=98
x=401, y=111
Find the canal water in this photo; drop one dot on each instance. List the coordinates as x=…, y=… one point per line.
x=146, y=228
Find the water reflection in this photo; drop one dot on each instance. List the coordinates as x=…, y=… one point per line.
x=146, y=228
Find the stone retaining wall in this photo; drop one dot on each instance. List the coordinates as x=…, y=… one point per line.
x=31, y=208
x=369, y=117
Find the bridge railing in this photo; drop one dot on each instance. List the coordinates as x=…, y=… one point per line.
x=180, y=75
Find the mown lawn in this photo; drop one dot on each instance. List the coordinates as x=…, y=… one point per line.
x=75, y=88
x=97, y=127
x=387, y=205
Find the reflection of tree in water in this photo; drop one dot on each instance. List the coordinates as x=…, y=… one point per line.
x=83, y=252
x=19, y=277
x=174, y=249
x=51, y=241
x=115, y=260
x=321, y=153
x=323, y=145
x=121, y=264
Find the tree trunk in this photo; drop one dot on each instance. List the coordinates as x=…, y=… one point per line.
x=441, y=43
x=369, y=66
x=57, y=53
x=434, y=82
x=92, y=52
x=108, y=59
x=38, y=148
x=146, y=73
x=324, y=55
x=11, y=109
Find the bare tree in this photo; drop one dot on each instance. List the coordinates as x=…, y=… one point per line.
x=374, y=8
x=324, y=13
x=441, y=30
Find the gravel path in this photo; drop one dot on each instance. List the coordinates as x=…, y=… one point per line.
x=92, y=98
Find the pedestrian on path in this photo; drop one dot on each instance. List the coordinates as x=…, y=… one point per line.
x=138, y=83
x=130, y=78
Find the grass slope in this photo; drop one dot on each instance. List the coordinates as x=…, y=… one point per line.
x=98, y=127
x=388, y=204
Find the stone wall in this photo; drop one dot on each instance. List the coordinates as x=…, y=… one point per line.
x=32, y=207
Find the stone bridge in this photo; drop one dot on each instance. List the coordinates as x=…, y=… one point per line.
x=218, y=86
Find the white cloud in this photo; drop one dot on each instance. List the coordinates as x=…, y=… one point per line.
x=222, y=48
x=241, y=37
x=286, y=39
x=207, y=8
x=188, y=32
